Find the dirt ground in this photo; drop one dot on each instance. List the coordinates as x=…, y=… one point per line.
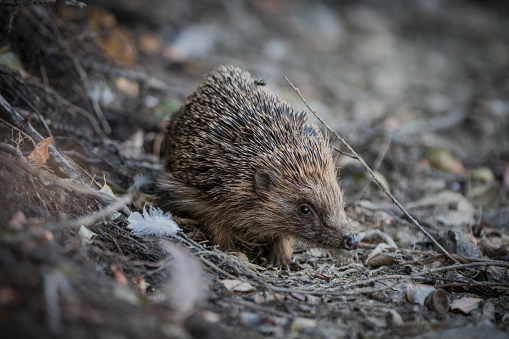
x=418, y=89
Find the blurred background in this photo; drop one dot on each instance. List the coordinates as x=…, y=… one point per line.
x=395, y=78
x=420, y=89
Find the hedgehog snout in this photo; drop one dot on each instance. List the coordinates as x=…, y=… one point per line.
x=350, y=242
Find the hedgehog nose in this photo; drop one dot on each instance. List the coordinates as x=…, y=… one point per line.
x=350, y=242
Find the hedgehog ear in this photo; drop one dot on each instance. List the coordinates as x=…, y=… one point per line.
x=263, y=181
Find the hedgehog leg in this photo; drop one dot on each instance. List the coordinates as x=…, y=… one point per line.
x=281, y=251
x=220, y=235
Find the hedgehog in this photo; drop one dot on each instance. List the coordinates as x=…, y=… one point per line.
x=250, y=169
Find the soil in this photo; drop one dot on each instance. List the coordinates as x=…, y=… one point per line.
x=419, y=90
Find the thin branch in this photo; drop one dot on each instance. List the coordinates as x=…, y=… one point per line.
x=11, y=116
x=75, y=223
x=344, y=289
x=380, y=184
x=85, y=81
x=259, y=308
x=41, y=118
x=344, y=153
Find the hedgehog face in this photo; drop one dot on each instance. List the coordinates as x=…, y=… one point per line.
x=311, y=209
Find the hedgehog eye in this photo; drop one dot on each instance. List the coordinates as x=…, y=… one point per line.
x=305, y=210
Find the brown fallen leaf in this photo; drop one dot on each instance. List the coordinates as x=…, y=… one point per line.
x=40, y=154
x=380, y=259
x=465, y=304
x=417, y=293
x=237, y=285
x=242, y=256
x=495, y=246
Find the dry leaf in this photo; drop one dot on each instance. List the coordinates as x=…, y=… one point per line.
x=417, y=293
x=465, y=304
x=117, y=41
x=378, y=258
x=443, y=159
x=242, y=256
x=40, y=154
x=237, y=286
x=483, y=174
x=495, y=246
x=438, y=301
x=107, y=189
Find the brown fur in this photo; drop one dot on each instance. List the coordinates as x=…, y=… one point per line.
x=243, y=162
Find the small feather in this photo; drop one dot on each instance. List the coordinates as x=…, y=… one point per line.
x=153, y=222
x=187, y=285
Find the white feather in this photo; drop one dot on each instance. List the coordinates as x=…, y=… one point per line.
x=187, y=285
x=153, y=222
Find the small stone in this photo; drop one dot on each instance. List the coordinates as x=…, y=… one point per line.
x=250, y=319
x=299, y=324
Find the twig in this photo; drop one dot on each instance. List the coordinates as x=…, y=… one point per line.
x=419, y=276
x=260, y=308
x=343, y=290
x=71, y=107
x=469, y=284
x=472, y=264
x=11, y=116
x=76, y=222
x=380, y=184
x=85, y=81
x=344, y=153
x=151, y=82
x=41, y=118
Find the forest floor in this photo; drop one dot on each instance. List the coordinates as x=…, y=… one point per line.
x=420, y=90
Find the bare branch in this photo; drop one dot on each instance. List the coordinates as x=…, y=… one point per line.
x=11, y=116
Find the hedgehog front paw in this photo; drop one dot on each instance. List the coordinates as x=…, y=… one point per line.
x=280, y=254
x=221, y=236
